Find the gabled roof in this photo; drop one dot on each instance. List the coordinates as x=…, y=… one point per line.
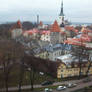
x=55, y=27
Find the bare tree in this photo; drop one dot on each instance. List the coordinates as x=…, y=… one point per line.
x=21, y=75
x=40, y=65
x=9, y=55
x=89, y=61
x=80, y=53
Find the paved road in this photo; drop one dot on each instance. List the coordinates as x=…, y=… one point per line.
x=58, y=83
x=79, y=86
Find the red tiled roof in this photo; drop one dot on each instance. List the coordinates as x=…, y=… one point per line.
x=18, y=25
x=69, y=28
x=63, y=33
x=30, y=32
x=79, y=41
x=55, y=27
x=45, y=32
x=76, y=31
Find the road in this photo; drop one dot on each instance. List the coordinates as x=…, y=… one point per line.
x=79, y=86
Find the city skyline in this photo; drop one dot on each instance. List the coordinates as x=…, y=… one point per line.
x=48, y=10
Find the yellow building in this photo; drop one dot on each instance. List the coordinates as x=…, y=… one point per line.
x=42, y=54
x=72, y=70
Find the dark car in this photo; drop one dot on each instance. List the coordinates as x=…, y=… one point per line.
x=47, y=83
x=86, y=80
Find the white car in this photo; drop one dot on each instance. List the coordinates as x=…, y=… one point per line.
x=61, y=88
x=47, y=90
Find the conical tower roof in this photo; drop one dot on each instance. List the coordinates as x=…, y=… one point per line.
x=55, y=27
x=18, y=25
x=61, y=12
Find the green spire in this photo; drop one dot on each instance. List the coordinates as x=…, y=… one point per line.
x=61, y=12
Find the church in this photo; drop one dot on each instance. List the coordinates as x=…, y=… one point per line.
x=61, y=19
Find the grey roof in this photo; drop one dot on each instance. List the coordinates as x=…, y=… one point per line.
x=68, y=59
x=51, y=48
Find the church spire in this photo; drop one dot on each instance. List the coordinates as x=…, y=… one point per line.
x=61, y=12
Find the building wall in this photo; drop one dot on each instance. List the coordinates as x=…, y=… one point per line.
x=43, y=55
x=54, y=54
x=16, y=33
x=45, y=37
x=54, y=37
x=63, y=71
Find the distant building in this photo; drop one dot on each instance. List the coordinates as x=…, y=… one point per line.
x=42, y=26
x=55, y=33
x=65, y=71
x=33, y=33
x=61, y=19
x=70, y=68
x=16, y=30
x=57, y=50
x=45, y=35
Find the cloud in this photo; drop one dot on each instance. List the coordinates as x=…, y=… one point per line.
x=76, y=10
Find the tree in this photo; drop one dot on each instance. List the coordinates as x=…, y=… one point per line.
x=80, y=53
x=21, y=75
x=40, y=65
x=10, y=53
x=89, y=61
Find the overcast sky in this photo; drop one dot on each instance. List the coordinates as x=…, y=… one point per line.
x=48, y=10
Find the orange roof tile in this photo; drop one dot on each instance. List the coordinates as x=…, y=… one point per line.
x=55, y=27
x=69, y=28
x=18, y=25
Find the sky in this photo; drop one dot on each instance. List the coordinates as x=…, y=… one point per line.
x=48, y=10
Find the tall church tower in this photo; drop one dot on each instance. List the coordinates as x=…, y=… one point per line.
x=61, y=16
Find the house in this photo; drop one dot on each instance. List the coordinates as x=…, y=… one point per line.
x=32, y=33
x=45, y=35
x=57, y=50
x=70, y=31
x=70, y=68
x=41, y=53
x=42, y=26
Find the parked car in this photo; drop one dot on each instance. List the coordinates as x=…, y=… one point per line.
x=47, y=90
x=47, y=83
x=71, y=85
x=59, y=88
x=86, y=80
